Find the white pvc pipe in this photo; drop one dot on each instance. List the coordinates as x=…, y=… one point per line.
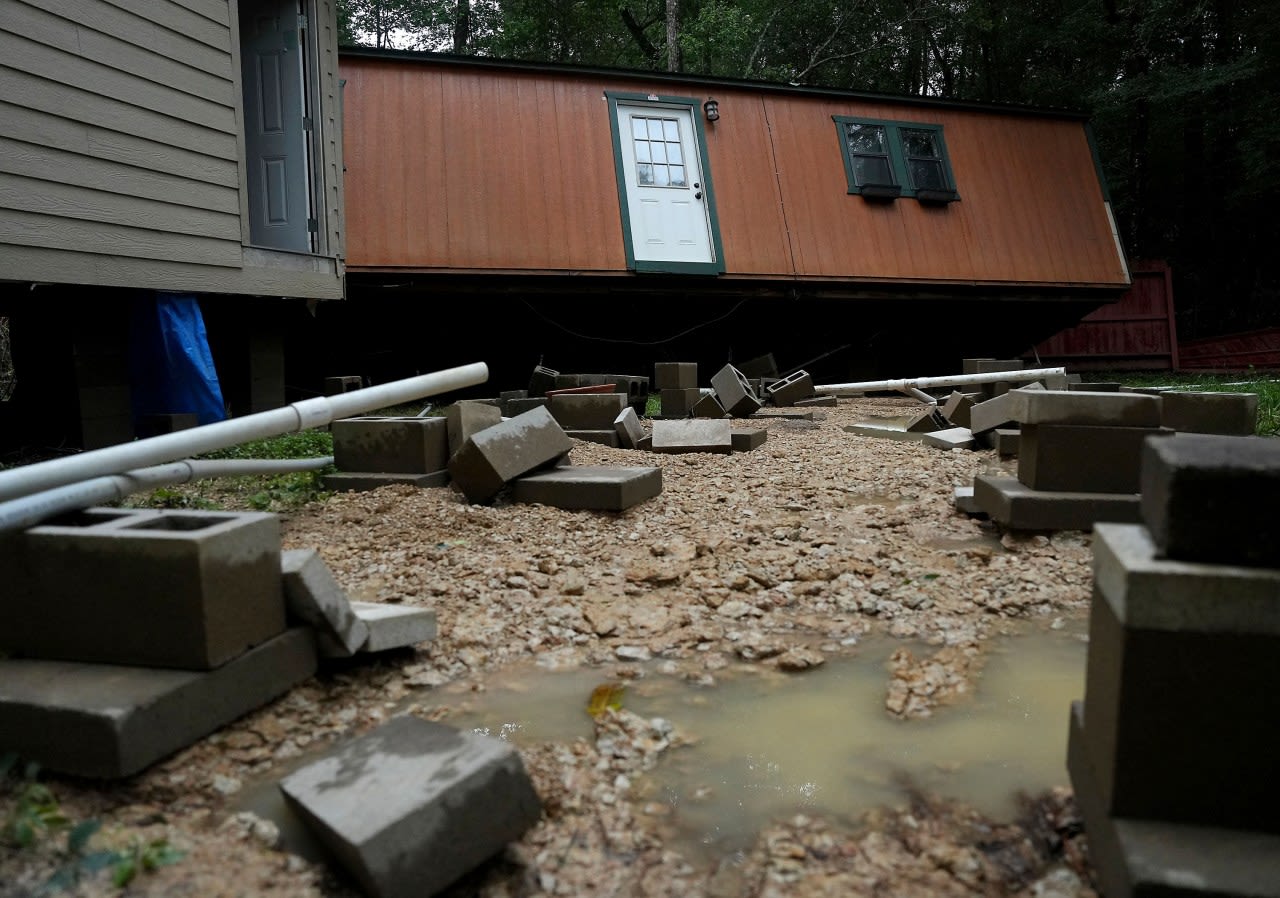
x=27, y=511
x=925, y=383
x=304, y=415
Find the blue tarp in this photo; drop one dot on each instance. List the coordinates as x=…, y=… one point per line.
x=172, y=368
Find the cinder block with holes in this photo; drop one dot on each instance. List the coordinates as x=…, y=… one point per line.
x=734, y=392
x=391, y=445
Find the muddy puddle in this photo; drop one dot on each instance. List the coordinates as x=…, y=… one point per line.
x=764, y=745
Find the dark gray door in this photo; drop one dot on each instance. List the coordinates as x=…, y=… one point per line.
x=272, y=56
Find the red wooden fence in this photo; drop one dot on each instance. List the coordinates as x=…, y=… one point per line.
x=1234, y=352
x=1136, y=332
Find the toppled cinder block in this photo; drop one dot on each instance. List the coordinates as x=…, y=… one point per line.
x=1018, y=507
x=352, y=482
x=543, y=379
x=997, y=412
x=679, y=403
x=707, y=406
x=315, y=598
x=1083, y=457
x=391, y=445
x=925, y=421
x=627, y=427
x=1114, y=409
x=1007, y=443
x=734, y=392
x=693, y=435
x=675, y=376
x=394, y=626
x=1213, y=498
x=958, y=407
x=466, y=418
x=589, y=487
x=413, y=805
x=1232, y=414
x=181, y=589
x=512, y=407
x=586, y=411
x=744, y=440
x=113, y=720
x=495, y=456
x=790, y=389
x=951, y=438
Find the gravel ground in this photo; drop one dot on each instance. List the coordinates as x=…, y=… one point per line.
x=783, y=557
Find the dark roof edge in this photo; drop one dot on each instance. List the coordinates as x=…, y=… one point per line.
x=706, y=80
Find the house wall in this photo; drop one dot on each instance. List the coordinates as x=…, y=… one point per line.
x=467, y=168
x=120, y=160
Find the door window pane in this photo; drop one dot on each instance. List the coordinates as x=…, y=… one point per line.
x=677, y=176
x=644, y=174
x=658, y=154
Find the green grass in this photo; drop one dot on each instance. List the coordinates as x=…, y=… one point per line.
x=653, y=405
x=307, y=444
x=1267, y=388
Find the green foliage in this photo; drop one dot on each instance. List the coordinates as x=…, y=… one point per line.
x=653, y=405
x=35, y=811
x=306, y=444
x=167, y=497
x=284, y=492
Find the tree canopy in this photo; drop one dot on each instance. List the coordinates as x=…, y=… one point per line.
x=1183, y=94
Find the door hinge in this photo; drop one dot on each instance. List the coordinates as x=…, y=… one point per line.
x=302, y=22
x=313, y=225
x=307, y=123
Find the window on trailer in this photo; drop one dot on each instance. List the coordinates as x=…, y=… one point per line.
x=884, y=160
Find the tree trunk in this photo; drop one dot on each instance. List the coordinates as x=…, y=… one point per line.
x=673, y=35
x=461, y=26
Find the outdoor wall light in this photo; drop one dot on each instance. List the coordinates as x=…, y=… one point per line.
x=712, y=109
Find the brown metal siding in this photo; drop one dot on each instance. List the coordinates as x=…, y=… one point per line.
x=461, y=168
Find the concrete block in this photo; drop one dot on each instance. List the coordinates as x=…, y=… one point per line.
x=583, y=389
x=951, y=438
x=1233, y=414
x=362, y=482
x=586, y=411
x=466, y=419
x=878, y=432
x=394, y=626
x=1180, y=725
x=112, y=720
x=927, y=420
x=744, y=440
x=760, y=366
x=675, y=376
x=1018, y=507
x=645, y=444
x=508, y=395
x=679, y=403
x=970, y=366
x=392, y=445
x=1148, y=858
x=1007, y=443
x=1213, y=498
x=497, y=455
x=707, y=406
x=565, y=382
x=594, y=487
x=1094, y=387
x=413, y=805
x=790, y=389
x=344, y=384
x=182, y=589
x=734, y=392
x=965, y=502
x=1056, y=382
x=1114, y=409
x=314, y=598
x=995, y=412
x=816, y=402
x=991, y=366
x=512, y=407
x=958, y=407
x=627, y=427
x=603, y=437
x=541, y=380
x=694, y=435
x=1083, y=457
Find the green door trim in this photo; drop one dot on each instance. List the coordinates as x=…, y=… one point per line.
x=717, y=248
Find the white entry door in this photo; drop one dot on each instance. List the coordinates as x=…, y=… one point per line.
x=668, y=204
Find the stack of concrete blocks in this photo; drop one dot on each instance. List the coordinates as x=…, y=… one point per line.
x=677, y=386
x=1172, y=753
x=1078, y=461
x=134, y=633
x=735, y=393
x=370, y=452
x=344, y=628
x=410, y=807
x=493, y=457
x=588, y=416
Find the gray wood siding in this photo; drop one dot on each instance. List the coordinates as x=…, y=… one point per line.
x=330, y=120
x=120, y=161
